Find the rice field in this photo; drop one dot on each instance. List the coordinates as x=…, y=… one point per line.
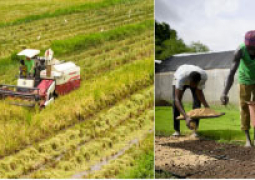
x=12, y=8
x=100, y=129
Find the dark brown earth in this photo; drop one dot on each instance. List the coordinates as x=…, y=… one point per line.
x=187, y=157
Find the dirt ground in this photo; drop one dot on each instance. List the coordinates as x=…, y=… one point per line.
x=186, y=157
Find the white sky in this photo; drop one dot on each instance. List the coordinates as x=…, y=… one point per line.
x=219, y=24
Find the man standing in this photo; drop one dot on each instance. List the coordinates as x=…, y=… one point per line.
x=194, y=78
x=244, y=61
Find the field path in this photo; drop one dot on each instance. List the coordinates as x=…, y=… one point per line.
x=187, y=157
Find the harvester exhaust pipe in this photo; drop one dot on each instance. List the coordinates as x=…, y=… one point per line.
x=48, y=57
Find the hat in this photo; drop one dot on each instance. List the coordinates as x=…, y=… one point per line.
x=250, y=38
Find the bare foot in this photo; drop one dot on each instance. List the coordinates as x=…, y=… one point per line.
x=176, y=133
x=247, y=144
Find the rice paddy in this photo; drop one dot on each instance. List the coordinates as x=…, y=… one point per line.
x=105, y=123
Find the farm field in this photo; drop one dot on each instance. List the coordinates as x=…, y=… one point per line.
x=215, y=154
x=12, y=8
x=102, y=128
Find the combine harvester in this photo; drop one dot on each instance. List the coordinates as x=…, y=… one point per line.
x=41, y=79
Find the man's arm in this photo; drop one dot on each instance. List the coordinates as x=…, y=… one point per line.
x=178, y=98
x=230, y=79
x=201, y=97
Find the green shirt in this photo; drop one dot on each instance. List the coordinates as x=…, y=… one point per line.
x=29, y=64
x=246, y=68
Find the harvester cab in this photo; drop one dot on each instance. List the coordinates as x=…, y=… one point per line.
x=41, y=79
x=28, y=67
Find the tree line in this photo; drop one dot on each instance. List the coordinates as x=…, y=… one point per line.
x=167, y=42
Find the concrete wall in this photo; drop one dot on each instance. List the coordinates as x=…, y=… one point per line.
x=213, y=87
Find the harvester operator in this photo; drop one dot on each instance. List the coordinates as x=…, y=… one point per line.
x=194, y=78
x=244, y=61
x=30, y=66
x=23, y=69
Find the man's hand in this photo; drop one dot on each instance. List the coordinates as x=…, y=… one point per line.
x=188, y=120
x=201, y=97
x=207, y=106
x=224, y=99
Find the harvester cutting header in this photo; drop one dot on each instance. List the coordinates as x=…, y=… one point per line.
x=41, y=79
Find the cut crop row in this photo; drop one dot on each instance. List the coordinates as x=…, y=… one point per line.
x=99, y=152
x=127, y=160
x=48, y=151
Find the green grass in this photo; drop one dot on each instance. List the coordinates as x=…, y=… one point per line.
x=225, y=128
x=164, y=175
x=143, y=169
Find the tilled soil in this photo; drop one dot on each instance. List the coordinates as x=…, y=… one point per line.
x=186, y=157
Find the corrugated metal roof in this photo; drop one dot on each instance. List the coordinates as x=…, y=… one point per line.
x=206, y=61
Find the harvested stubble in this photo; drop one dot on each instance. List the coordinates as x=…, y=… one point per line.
x=96, y=151
x=125, y=161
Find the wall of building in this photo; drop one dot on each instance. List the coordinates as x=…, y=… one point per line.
x=213, y=88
